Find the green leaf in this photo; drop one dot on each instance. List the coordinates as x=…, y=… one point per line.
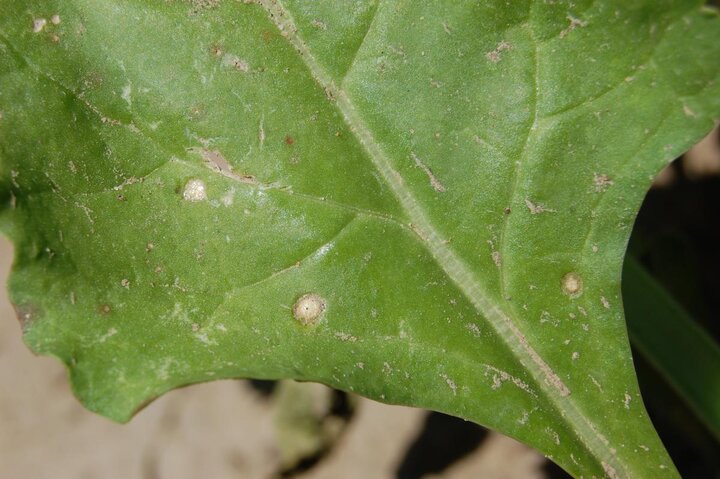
x=426, y=203
x=673, y=343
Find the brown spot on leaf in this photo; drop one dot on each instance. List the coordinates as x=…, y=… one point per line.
x=266, y=36
x=496, y=55
x=216, y=50
x=289, y=140
x=26, y=314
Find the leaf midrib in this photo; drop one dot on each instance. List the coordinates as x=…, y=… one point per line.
x=454, y=267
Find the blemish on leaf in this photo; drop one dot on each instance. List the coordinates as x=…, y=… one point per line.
x=496, y=55
x=499, y=377
x=345, y=337
x=38, y=25
x=127, y=182
x=602, y=182
x=127, y=94
x=289, y=140
x=451, y=384
x=434, y=182
x=125, y=283
x=215, y=160
x=195, y=191
x=610, y=471
x=309, y=308
x=104, y=309
x=110, y=333
x=216, y=50
x=228, y=198
x=199, y=5
x=626, y=401
x=537, y=208
x=265, y=35
x=233, y=61
x=572, y=284
x=574, y=23
x=474, y=329
x=555, y=436
x=26, y=314
x=524, y=418
x=605, y=302
x=261, y=132
x=318, y=24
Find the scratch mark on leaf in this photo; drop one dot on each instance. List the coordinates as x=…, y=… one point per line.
x=537, y=208
x=217, y=162
x=574, y=23
x=261, y=132
x=499, y=377
x=434, y=182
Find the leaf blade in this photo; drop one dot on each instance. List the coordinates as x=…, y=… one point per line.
x=319, y=219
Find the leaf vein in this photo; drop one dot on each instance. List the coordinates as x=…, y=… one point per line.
x=548, y=381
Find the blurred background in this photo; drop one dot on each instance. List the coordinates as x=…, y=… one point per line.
x=258, y=430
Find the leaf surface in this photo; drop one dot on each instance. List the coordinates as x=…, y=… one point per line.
x=426, y=203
